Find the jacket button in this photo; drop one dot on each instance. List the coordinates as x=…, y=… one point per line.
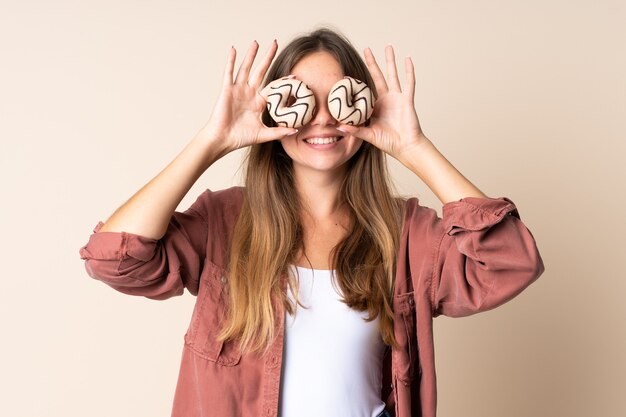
x=272, y=361
x=223, y=279
x=411, y=301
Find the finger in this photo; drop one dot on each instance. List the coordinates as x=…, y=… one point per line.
x=377, y=74
x=244, y=69
x=272, y=133
x=410, y=77
x=230, y=64
x=259, y=72
x=392, y=71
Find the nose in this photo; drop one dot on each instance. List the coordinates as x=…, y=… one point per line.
x=322, y=116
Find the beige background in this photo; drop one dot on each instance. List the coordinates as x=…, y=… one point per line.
x=526, y=99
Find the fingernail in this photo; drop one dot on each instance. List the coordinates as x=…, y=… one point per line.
x=293, y=133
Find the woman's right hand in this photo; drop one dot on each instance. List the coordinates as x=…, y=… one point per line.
x=236, y=118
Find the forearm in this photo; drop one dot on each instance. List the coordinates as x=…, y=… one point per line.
x=149, y=210
x=446, y=182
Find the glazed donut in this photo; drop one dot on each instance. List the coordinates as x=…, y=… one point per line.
x=279, y=94
x=351, y=101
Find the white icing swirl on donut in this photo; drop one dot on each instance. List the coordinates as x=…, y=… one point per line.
x=278, y=93
x=351, y=101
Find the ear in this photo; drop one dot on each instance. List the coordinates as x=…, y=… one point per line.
x=351, y=101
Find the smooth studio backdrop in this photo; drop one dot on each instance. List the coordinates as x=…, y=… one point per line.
x=526, y=99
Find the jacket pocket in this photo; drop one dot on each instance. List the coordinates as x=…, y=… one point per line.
x=208, y=316
x=405, y=331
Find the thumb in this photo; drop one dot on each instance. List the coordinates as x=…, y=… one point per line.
x=362, y=132
x=272, y=133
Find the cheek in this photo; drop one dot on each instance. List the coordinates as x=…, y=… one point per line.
x=289, y=145
x=355, y=144
x=286, y=142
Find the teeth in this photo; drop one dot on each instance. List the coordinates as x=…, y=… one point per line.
x=322, y=141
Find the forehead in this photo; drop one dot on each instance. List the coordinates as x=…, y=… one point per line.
x=318, y=69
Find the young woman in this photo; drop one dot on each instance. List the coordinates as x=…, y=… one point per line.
x=317, y=224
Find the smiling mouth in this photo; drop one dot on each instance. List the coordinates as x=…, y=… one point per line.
x=323, y=141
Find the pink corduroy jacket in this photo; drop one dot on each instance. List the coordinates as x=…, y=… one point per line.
x=477, y=257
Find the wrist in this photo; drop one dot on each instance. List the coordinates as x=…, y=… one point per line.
x=410, y=155
x=212, y=147
x=211, y=135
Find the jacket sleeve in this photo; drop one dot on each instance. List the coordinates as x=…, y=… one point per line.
x=156, y=269
x=484, y=256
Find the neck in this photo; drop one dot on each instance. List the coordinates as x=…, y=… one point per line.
x=319, y=191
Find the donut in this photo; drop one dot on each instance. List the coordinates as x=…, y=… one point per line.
x=279, y=95
x=351, y=101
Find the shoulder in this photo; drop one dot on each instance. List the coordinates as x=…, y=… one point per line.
x=224, y=199
x=419, y=220
x=411, y=208
x=222, y=206
x=231, y=198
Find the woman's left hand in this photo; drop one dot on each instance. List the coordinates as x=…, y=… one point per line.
x=394, y=126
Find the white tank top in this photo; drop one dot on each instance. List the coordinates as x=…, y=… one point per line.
x=332, y=364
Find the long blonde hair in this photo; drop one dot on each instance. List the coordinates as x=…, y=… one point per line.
x=268, y=233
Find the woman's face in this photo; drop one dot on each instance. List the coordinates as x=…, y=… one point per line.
x=320, y=71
